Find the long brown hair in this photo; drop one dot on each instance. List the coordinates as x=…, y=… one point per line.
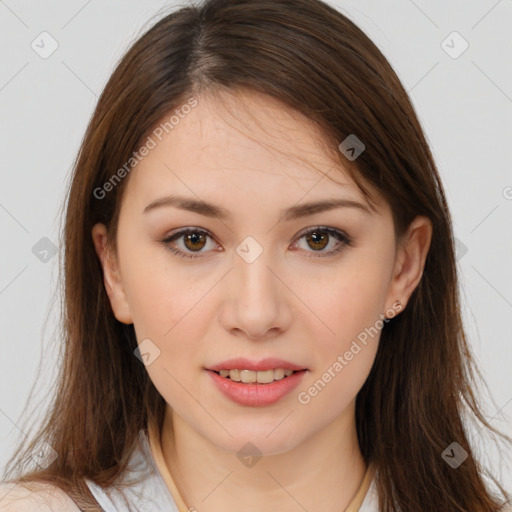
x=315, y=60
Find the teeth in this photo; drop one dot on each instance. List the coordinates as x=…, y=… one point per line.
x=250, y=376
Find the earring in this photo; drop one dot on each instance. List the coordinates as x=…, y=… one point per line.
x=397, y=305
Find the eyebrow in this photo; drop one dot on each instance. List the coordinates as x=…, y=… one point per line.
x=218, y=212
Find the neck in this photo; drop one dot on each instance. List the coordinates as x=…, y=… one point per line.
x=323, y=472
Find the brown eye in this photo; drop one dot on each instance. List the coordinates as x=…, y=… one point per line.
x=188, y=243
x=194, y=241
x=317, y=240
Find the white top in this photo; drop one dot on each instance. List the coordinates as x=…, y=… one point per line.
x=151, y=495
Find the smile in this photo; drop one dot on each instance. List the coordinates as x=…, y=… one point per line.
x=251, y=376
x=253, y=393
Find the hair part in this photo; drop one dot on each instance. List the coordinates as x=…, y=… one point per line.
x=315, y=60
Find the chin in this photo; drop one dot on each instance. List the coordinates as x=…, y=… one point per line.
x=255, y=439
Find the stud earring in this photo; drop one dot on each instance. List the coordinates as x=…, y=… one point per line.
x=397, y=308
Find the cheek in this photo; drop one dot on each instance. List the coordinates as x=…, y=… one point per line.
x=167, y=309
x=347, y=300
x=344, y=356
x=360, y=301
x=350, y=304
x=329, y=392
x=163, y=296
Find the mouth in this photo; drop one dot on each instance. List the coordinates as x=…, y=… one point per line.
x=256, y=388
x=256, y=377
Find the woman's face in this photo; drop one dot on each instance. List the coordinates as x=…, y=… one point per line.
x=259, y=276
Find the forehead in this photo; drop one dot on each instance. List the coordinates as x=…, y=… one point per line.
x=241, y=142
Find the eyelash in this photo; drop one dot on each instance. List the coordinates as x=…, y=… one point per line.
x=344, y=240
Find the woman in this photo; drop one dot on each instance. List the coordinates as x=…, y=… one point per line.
x=260, y=283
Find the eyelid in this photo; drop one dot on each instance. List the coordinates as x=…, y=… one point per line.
x=343, y=238
x=166, y=241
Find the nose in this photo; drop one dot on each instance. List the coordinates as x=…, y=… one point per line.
x=256, y=300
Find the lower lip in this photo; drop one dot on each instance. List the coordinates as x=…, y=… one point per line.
x=257, y=395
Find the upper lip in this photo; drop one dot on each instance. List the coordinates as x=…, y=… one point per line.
x=269, y=363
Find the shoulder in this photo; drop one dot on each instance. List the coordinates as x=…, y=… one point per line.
x=27, y=497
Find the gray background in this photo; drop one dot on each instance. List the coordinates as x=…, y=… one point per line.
x=464, y=104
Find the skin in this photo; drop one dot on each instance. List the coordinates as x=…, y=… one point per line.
x=253, y=156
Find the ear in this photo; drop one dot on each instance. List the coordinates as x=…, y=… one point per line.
x=111, y=275
x=410, y=261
